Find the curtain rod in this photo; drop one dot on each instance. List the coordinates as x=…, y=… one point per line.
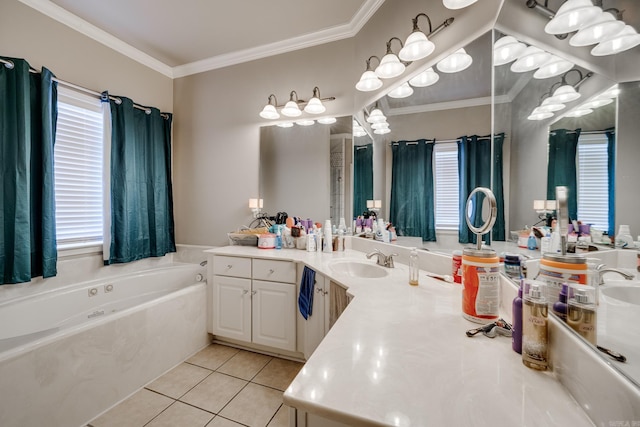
x=589, y=132
x=441, y=141
x=9, y=65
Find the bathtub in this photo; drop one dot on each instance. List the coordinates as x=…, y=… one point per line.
x=68, y=355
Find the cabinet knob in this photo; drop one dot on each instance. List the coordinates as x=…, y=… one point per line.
x=253, y=292
x=318, y=290
x=325, y=293
x=271, y=271
x=245, y=292
x=229, y=266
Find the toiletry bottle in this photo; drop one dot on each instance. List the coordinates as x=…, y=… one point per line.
x=311, y=241
x=545, y=243
x=534, y=327
x=561, y=307
x=531, y=241
x=516, y=321
x=581, y=315
x=278, y=239
x=413, y=267
x=327, y=242
x=512, y=267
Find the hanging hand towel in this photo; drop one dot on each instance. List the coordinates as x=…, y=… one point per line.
x=305, y=299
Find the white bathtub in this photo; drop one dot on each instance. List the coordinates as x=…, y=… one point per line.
x=70, y=354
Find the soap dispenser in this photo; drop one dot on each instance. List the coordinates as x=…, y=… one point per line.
x=535, y=335
x=413, y=267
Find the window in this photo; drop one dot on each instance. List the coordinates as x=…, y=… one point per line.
x=593, y=181
x=446, y=185
x=78, y=169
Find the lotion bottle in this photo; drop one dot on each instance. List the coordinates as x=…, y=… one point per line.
x=327, y=242
x=535, y=337
x=516, y=313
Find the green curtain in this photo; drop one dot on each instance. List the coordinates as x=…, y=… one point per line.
x=142, y=223
x=28, y=114
x=498, y=231
x=474, y=169
x=362, y=177
x=562, y=170
x=611, y=171
x=412, y=209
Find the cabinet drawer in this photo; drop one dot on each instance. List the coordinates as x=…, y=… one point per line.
x=232, y=266
x=274, y=271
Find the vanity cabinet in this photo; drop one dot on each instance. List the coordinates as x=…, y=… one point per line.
x=254, y=300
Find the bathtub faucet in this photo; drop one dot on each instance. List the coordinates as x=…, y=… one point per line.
x=203, y=263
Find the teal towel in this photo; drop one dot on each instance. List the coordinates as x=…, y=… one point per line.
x=305, y=299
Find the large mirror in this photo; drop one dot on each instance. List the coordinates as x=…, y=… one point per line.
x=604, y=142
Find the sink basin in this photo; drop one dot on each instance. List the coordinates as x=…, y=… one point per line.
x=628, y=294
x=360, y=269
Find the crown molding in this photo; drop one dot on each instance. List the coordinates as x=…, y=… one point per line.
x=440, y=106
x=336, y=33
x=328, y=35
x=76, y=23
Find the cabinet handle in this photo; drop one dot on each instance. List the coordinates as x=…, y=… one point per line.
x=254, y=292
x=319, y=290
x=229, y=266
x=325, y=293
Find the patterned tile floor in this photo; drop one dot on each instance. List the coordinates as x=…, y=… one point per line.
x=218, y=387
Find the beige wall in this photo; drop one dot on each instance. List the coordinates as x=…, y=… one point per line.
x=73, y=57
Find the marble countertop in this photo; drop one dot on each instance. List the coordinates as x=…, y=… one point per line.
x=398, y=355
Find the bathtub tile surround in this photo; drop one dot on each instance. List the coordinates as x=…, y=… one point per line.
x=180, y=398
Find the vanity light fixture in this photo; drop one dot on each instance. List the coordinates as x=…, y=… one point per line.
x=291, y=108
x=327, y=120
x=402, y=91
x=390, y=65
x=269, y=111
x=579, y=112
x=374, y=205
x=553, y=67
x=566, y=92
x=602, y=27
x=507, y=49
x=417, y=45
x=376, y=116
x=369, y=80
x=626, y=39
x=457, y=4
x=548, y=106
x=425, y=78
x=572, y=16
x=315, y=106
x=533, y=57
x=458, y=61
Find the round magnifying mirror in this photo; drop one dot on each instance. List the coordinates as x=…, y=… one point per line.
x=481, y=212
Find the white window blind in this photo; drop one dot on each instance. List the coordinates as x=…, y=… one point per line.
x=446, y=185
x=593, y=181
x=78, y=169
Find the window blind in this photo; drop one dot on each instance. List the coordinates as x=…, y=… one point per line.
x=446, y=185
x=78, y=169
x=593, y=181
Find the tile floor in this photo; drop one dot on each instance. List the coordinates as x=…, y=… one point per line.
x=218, y=387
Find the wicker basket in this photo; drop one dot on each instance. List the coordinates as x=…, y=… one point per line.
x=246, y=237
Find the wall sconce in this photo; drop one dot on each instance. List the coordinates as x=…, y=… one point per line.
x=425, y=78
x=390, y=65
x=256, y=206
x=369, y=80
x=458, y=61
x=417, y=45
x=457, y=4
x=374, y=205
x=544, y=209
x=593, y=25
x=292, y=107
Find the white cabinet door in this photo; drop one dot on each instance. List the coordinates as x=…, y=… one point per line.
x=274, y=314
x=232, y=307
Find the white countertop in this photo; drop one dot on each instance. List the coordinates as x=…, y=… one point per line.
x=398, y=355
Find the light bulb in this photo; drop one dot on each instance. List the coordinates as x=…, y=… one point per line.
x=368, y=81
x=291, y=109
x=532, y=58
x=624, y=40
x=402, y=91
x=390, y=67
x=425, y=78
x=314, y=106
x=269, y=112
x=417, y=46
x=507, y=49
x=457, y=61
x=572, y=16
x=306, y=122
x=553, y=67
x=563, y=94
x=604, y=26
x=327, y=120
x=457, y=4
x=376, y=116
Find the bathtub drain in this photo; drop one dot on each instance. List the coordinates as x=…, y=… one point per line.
x=96, y=314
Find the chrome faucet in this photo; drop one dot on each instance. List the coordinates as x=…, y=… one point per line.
x=383, y=260
x=601, y=269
